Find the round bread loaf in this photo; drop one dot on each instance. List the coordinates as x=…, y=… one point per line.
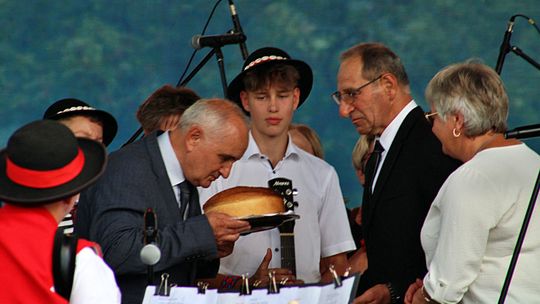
x=245, y=201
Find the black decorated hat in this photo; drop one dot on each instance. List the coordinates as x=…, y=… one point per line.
x=265, y=57
x=72, y=107
x=44, y=162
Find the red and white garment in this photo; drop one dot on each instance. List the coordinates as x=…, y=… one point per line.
x=26, y=246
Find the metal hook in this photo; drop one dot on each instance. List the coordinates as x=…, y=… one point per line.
x=337, y=279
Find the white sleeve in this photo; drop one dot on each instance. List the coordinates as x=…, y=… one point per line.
x=469, y=209
x=94, y=281
x=333, y=214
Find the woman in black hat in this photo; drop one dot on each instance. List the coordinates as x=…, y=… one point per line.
x=86, y=122
x=83, y=120
x=42, y=170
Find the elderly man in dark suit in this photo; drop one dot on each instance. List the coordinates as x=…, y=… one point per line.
x=404, y=172
x=158, y=172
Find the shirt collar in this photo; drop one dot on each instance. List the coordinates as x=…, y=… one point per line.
x=389, y=133
x=253, y=150
x=172, y=165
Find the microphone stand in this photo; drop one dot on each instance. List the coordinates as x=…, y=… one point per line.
x=521, y=238
x=202, y=63
x=219, y=55
x=506, y=48
x=221, y=65
x=514, y=49
x=534, y=196
x=521, y=54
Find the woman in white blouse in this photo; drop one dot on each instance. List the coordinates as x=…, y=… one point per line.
x=471, y=229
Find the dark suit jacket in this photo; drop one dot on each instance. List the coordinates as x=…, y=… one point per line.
x=111, y=214
x=392, y=217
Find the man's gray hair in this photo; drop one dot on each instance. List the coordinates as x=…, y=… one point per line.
x=213, y=115
x=377, y=59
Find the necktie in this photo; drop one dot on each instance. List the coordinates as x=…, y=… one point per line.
x=188, y=197
x=372, y=165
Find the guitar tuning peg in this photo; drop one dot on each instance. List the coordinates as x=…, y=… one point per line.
x=294, y=191
x=295, y=204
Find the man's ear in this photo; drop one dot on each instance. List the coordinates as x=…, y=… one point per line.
x=71, y=199
x=389, y=84
x=193, y=137
x=69, y=202
x=245, y=100
x=296, y=97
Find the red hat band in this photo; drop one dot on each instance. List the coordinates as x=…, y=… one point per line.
x=47, y=178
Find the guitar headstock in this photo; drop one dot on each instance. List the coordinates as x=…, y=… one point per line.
x=283, y=186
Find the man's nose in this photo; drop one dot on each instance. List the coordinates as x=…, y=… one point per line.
x=225, y=170
x=345, y=109
x=273, y=104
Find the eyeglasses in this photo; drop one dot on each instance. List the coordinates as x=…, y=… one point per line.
x=349, y=97
x=430, y=116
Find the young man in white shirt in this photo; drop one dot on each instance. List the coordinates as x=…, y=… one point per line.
x=270, y=87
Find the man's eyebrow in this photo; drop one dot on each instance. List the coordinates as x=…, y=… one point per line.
x=226, y=157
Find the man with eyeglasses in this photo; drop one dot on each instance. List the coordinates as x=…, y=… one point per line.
x=403, y=174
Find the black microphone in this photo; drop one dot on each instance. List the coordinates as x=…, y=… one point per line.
x=524, y=132
x=505, y=45
x=150, y=253
x=216, y=41
x=238, y=29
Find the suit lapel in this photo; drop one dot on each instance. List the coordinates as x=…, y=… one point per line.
x=389, y=162
x=160, y=172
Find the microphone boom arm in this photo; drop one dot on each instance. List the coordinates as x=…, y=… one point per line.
x=521, y=54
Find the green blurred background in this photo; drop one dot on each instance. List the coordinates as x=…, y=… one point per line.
x=113, y=54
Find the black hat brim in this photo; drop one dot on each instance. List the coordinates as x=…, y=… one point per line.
x=305, y=83
x=94, y=165
x=110, y=126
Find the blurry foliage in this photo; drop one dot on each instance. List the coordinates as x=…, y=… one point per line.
x=113, y=54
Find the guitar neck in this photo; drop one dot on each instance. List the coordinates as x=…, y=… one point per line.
x=288, y=253
x=283, y=186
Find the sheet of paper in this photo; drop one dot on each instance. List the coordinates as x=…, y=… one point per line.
x=183, y=295
x=322, y=294
x=341, y=295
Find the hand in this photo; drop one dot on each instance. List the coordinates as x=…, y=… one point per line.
x=225, y=248
x=359, y=261
x=378, y=294
x=226, y=229
x=281, y=274
x=412, y=290
x=419, y=297
x=357, y=214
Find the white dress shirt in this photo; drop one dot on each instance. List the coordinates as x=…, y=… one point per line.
x=172, y=165
x=323, y=228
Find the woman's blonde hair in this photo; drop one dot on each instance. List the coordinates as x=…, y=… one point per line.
x=360, y=151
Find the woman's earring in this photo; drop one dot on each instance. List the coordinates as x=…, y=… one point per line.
x=456, y=133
